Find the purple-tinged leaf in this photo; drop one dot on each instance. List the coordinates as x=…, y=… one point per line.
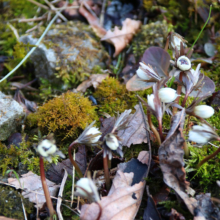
x=159, y=59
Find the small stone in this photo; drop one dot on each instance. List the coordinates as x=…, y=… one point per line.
x=11, y=113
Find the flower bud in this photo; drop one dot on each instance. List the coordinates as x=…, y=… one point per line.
x=183, y=63
x=176, y=39
x=203, y=111
x=167, y=95
x=141, y=74
x=87, y=189
x=150, y=99
x=47, y=149
x=202, y=134
x=111, y=141
x=94, y=131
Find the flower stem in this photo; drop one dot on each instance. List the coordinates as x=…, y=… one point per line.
x=106, y=173
x=179, y=89
x=100, y=210
x=153, y=128
x=160, y=129
x=167, y=41
x=73, y=161
x=208, y=158
x=186, y=149
x=184, y=101
x=45, y=188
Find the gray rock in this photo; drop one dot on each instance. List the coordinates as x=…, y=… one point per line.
x=11, y=112
x=66, y=49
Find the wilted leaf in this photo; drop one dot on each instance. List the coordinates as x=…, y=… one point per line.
x=150, y=211
x=94, y=80
x=124, y=197
x=158, y=58
x=143, y=157
x=136, y=84
x=32, y=182
x=93, y=21
x=121, y=38
x=171, y=160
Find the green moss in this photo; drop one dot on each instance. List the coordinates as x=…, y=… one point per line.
x=65, y=115
x=10, y=203
x=113, y=97
x=153, y=34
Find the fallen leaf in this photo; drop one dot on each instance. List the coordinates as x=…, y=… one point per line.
x=5, y=218
x=121, y=38
x=171, y=161
x=69, y=13
x=162, y=195
x=93, y=21
x=32, y=182
x=94, y=80
x=143, y=157
x=150, y=211
x=124, y=196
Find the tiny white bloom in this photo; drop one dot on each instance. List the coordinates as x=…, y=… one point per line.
x=111, y=141
x=150, y=99
x=141, y=74
x=46, y=148
x=177, y=39
x=204, y=111
x=93, y=131
x=183, y=63
x=167, y=95
x=85, y=184
x=201, y=134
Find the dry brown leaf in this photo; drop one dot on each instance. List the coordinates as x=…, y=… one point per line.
x=171, y=161
x=121, y=38
x=31, y=181
x=122, y=202
x=143, y=157
x=94, y=80
x=5, y=218
x=93, y=21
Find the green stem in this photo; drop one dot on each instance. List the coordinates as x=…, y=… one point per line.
x=32, y=50
x=45, y=188
x=106, y=173
x=73, y=161
x=210, y=10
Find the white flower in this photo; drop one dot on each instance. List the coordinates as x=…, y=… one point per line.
x=46, y=148
x=87, y=189
x=202, y=134
x=93, y=131
x=203, y=111
x=176, y=39
x=183, y=63
x=167, y=95
x=111, y=141
x=150, y=99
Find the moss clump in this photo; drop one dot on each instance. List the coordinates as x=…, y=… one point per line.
x=65, y=115
x=153, y=34
x=10, y=203
x=113, y=97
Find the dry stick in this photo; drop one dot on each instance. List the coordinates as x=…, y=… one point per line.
x=73, y=181
x=32, y=50
x=106, y=173
x=209, y=157
x=73, y=161
x=102, y=13
x=148, y=138
x=45, y=188
x=153, y=128
x=39, y=4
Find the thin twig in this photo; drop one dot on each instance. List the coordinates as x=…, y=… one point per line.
x=60, y=195
x=32, y=50
x=14, y=31
x=35, y=27
x=73, y=182
x=39, y=4
x=33, y=19
x=102, y=13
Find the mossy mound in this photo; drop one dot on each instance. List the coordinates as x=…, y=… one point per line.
x=65, y=115
x=113, y=97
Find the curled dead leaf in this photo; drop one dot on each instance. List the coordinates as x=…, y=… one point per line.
x=121, y=38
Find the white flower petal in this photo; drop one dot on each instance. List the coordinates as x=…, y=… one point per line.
x=167, y=95
x=150, y=99
x=204, y=111
x=112, y=142
x=85, y=184
x=141, y=74
x=197, y=137
x=93, y=131
x=46, y=148
x=183, y=63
